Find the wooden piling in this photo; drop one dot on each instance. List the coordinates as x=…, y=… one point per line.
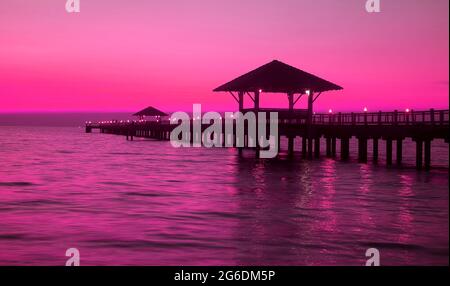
x=345, y=148
x=317, y=147
x=290, y=145
x=328, y=147
x=362, y=149
x=399, y=151
x=310, y=148
x=389, y=151
x=304, y=147
x=427, y=155
x=419, y=154
x=375, y=150
x=333, y=146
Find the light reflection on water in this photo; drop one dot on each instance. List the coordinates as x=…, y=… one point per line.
x=146, y=203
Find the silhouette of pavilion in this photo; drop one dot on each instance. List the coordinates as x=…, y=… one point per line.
x=150, y=112
x=278, y=77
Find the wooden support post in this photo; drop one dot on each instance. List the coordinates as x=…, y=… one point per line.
x=362, y=149
x=291, y=110
x=241, y=108
x=389, y=151
x=304, y=146
x=309, y=124
x=359, y=149
x=310, y=107
x=375, y=150
x=317, y=147
x=241, y=100
x=333, y=146
x=365, y=150
x=328, y=146
x=345, y=146
x=399, y=151
x=291, y=103
x=256, y=113
x=279, y=143
x=310, y=148
x=419, y=154
x=427, y=155
x=290, y=145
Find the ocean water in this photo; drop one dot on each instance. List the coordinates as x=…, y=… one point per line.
x=147, y=203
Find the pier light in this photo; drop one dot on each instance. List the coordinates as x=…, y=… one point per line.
x=260, y=90
x=330, y=111
x=365, y=109
x=308, y=92
x=407, y=110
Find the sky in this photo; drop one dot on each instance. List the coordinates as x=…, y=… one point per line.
x=124, y=55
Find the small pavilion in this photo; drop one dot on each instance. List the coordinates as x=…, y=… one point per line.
x=150, y=112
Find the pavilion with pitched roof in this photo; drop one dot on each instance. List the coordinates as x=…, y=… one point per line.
x=278, y=77
x=150, y=112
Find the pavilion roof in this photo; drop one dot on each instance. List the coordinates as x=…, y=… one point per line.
x=150, y=111
x=278, y=77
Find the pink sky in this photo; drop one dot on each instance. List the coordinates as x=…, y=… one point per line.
x=125, y=55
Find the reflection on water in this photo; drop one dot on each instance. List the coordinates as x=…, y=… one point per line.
x=146, y=203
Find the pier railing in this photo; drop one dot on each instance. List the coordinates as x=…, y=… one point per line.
x=431, y=118
x=410, y=117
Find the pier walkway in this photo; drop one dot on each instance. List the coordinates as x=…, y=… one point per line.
x=391, y=127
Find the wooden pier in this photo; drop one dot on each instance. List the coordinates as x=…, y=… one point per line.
x=392, y=128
